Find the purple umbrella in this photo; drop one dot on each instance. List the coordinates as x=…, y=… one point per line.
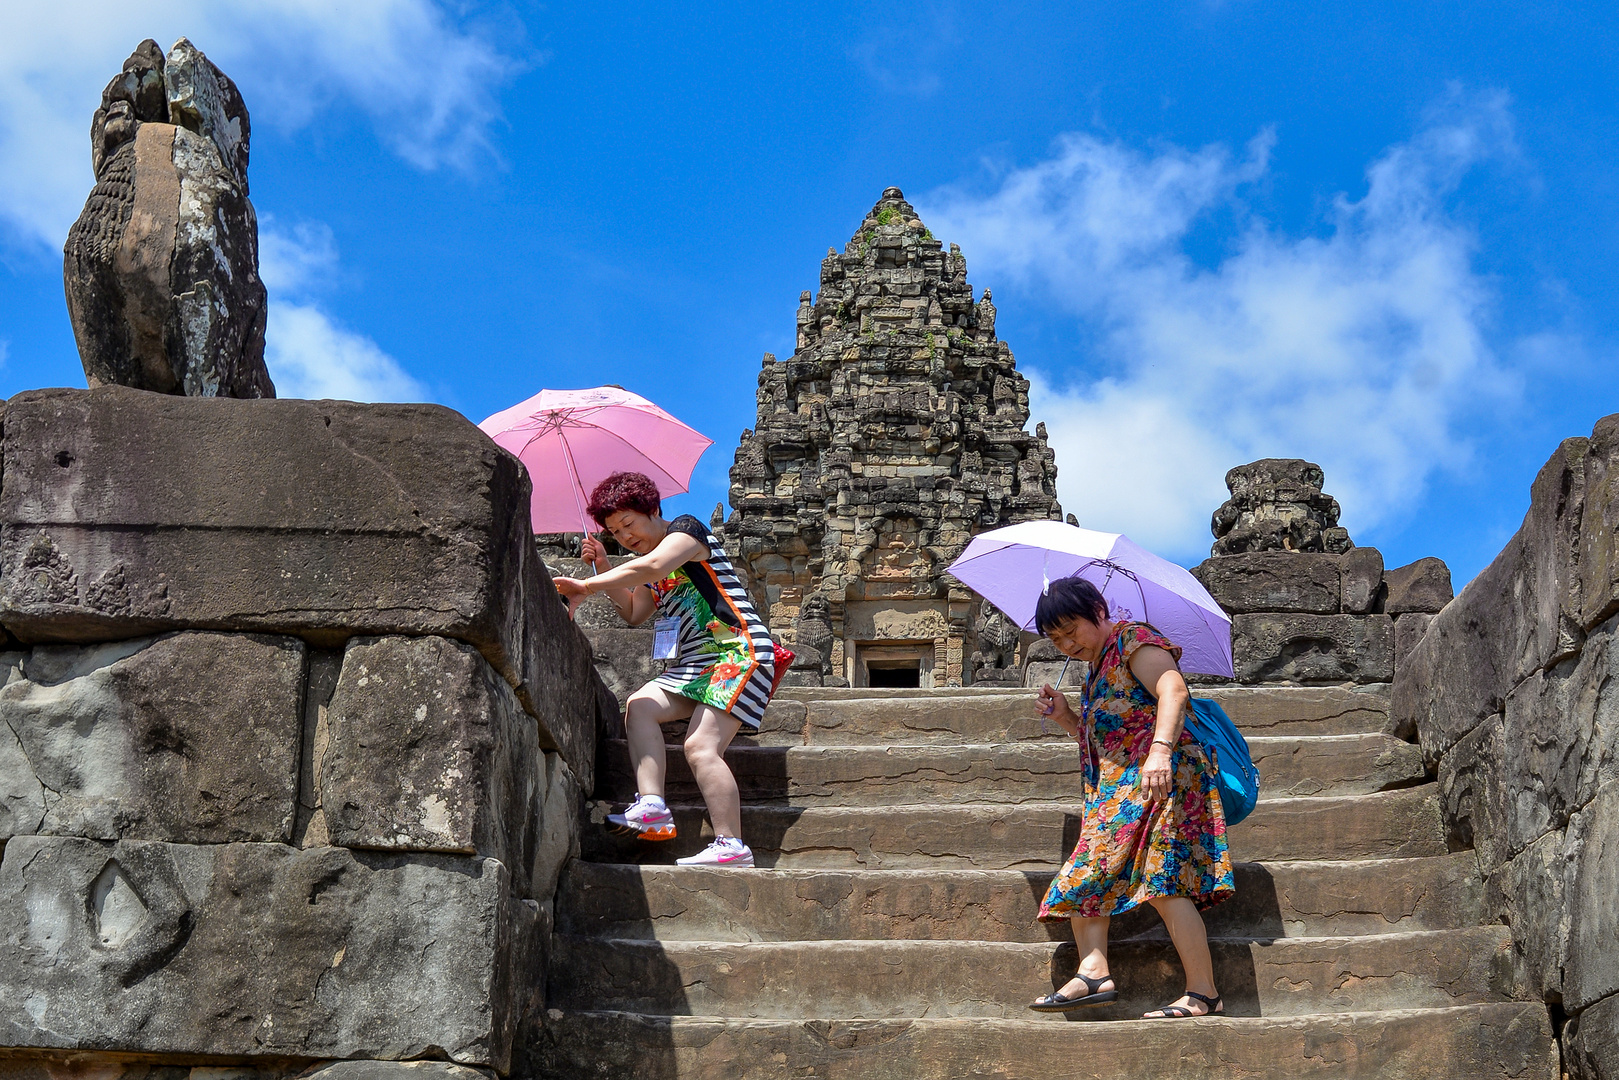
x=1010, y=567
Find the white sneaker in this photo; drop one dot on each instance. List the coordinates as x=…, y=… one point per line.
x=724, y=851
x=647, y=817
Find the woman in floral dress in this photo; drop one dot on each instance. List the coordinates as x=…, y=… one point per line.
x=724, y=659
x=1154, y=831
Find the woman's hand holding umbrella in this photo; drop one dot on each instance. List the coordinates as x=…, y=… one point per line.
x=594, y=552
x=1054, y=706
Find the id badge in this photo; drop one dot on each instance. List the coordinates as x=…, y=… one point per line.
x=666, y=639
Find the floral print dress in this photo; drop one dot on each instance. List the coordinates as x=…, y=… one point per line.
x=1131, y=850
x=726, y=658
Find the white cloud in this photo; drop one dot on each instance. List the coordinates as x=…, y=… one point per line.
x=309, y=353
x=1363, y=348
x=311, y=356
x=294, y=260
x=425, y=77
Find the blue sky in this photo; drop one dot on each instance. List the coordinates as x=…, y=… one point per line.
x=1378, y=236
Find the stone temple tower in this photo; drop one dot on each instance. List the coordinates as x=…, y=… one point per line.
x=895, y=432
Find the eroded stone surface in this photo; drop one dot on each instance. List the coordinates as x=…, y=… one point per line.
x=680, y=903
x=1313, y=648
x=1005, y=773
x=396, y=1070
x=343, y=519
x=1363, y=589
x=1502, y=1041
x=260, y=950
x=1422, y=586
x=981, y=717
x=1277, y=504
x=1473, y=785
x=1591, y=1042
x=1530, y=894
x=1274, y=581
x=429, y=750
x=191, y=737
x=1390, y=824
x=877, y=979
x=1408, y=630
x=1592, y=849
x=1598, y=540
x=1516, y=617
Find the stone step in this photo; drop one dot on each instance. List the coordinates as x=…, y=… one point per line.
x=898, y=979
x=1283, y=899
x=818, y=717
x=1006, y=772
x=1029, y=836
x=1497, y=1041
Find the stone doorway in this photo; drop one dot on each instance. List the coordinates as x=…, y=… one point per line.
x=894, y=664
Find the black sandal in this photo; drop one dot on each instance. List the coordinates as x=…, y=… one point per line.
x=1055, y=1002
x=1181, y=1012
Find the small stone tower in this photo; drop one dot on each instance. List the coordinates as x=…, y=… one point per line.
x=895, y=432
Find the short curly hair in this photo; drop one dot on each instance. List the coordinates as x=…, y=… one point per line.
x=624, y=491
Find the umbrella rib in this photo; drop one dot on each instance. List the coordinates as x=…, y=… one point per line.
x=577, y=485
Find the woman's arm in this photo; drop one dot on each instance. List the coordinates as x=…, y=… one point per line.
x=633, y=605
x=674, y=550
x=1156, y=669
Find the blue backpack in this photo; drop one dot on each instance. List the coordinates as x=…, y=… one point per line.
x=1235, y=773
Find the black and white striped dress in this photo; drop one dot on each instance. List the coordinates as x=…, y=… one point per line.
x=725, y=658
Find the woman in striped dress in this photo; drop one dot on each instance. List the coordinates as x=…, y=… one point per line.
x=724, y=660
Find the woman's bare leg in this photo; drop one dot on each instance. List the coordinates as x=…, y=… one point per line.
x=1090, y=938
x=644, y=714
x=1191, y=939
x=710, y=733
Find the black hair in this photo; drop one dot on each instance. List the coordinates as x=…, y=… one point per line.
x=1069, y=598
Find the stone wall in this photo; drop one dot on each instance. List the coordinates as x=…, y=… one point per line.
x=293, y=734
x=1512, y=692
x=1306, y=605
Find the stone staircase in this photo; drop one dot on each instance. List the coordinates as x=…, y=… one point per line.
x=909, y=837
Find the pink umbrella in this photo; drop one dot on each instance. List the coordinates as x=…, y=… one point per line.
x=572, y=440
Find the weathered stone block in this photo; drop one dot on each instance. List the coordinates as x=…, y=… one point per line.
x=1408, y=630
x=395, y=1070
x=623, y=660
x=429, y=750
x=1591, y=1042
x=1592, y=971
x=1362, y=570
x=125, y=513
x=1274, y=581
x=1510, y=621
x=557, y=832
x=1313, y=648
x=1422, y=586
x=1598, y=540
x=1473, y=785
x=261, y=951
x=1529, y=892
x=1562, y=738
x=191, y=737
